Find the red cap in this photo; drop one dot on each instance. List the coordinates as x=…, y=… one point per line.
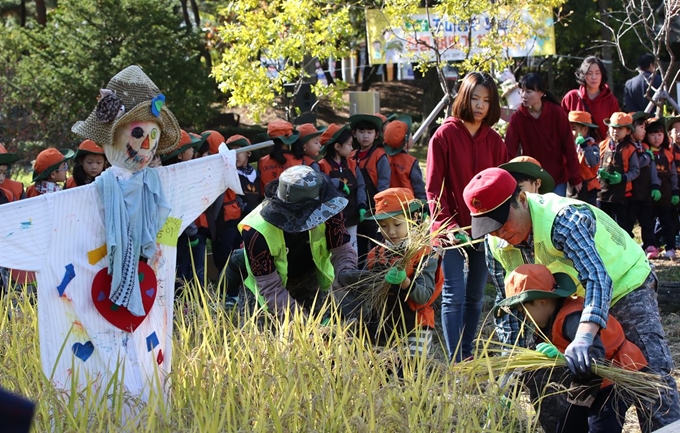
x=214, y=140
x=237, y=141
x=329, y=133
x=279, y=128
x=90, y=147
x=306, y=129
x=488, y=198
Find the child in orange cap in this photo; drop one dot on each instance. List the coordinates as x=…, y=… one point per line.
x=406, y=171
x=551, y=303
x=90, y=162
x=619, y=167
x=414, y=286
x=12, y=190
x=529, y=175
x=49, y=168
x=586, y=138
x=308, y=146
x=280, y=157
x=227, y=237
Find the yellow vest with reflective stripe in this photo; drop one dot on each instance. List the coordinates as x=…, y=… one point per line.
x=624, y=260
x=277, y=248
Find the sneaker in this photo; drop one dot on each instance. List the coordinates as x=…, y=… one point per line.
x=652, y=252
x=670, y=254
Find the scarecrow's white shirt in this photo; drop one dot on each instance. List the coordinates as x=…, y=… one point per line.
x=47, y=234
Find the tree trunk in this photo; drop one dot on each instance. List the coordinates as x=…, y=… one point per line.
x=369, y=77
x=197, y=19
x=185, y=12
x=22, y=13
x=432, y=92
x=41, y=11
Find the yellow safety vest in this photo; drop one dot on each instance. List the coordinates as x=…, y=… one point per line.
x=277, y=248
x=623, y=259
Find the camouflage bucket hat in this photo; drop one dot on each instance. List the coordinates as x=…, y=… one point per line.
x=130, y=96
x=301, y=199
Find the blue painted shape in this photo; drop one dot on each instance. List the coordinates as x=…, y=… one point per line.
x=149, y=292
x=68, y=276
x=151, y=342
x=101, y=296
x=83, y=351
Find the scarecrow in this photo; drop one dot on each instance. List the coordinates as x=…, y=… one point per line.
x=104, y=253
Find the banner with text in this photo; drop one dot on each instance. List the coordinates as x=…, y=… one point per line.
x=388, y=44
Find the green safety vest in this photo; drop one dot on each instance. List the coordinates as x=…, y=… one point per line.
x=624, y=260
x=325, y=273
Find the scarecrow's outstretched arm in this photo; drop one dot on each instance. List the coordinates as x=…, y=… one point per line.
x=26, y=231
x=194, y=185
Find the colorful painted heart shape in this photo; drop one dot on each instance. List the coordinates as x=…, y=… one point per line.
x=83, y=351
x=117, y=315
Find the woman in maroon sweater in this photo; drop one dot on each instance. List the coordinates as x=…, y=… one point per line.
x=542, y=129
x=593, y=94
x=463, y=146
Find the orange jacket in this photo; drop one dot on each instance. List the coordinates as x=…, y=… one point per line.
x=232, y=211
x=617, y=348
x=8, y=194
x=401, y=165
x=270, y=169
x=424, y=312
x=616, y=160
x=32, y=192
x=71, y=182
x=370, y=166
x=17, y=188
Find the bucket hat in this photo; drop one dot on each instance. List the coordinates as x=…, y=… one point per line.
x=130, y=96
x=7, y=158
x=394, y=201
x=282, y=130
x=308, y=131
x=301, y=199
x=620, y=120
x=530, y=167
x=89, y=147
x=186, y=141
x=397, y=133
x=532, y=281
x=49, y=160
x=331, y=135
x=582, y=117
x=374, y=120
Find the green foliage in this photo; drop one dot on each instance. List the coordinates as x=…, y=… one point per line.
x=289, y=35
x=51, y=75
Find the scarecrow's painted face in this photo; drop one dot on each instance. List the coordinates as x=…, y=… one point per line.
x=134, y=145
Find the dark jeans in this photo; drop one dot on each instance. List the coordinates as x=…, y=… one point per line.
x=227, y=239
x=235, y=272
x=606, y=415
x=641, y=211
x=367, y=229
x=462, y=297
x=664, y=215
x=617, y=212
x=184, y=267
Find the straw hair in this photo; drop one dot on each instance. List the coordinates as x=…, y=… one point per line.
x=130, y=93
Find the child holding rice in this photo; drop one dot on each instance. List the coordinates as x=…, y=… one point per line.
x=411, y=279
x=551, y=303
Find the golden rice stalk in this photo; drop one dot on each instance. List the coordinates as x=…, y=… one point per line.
x=503, y=359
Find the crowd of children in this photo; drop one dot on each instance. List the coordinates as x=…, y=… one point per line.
x=631, y=175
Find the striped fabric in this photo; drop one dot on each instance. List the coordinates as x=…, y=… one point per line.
x=52, y=234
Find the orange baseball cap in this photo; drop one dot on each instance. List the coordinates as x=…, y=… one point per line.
x=532, y=281
x=394, y=201
x=49, y=160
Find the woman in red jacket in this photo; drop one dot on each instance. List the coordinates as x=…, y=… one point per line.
x=593, y=94
x=541, y=129
x=462, y=147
